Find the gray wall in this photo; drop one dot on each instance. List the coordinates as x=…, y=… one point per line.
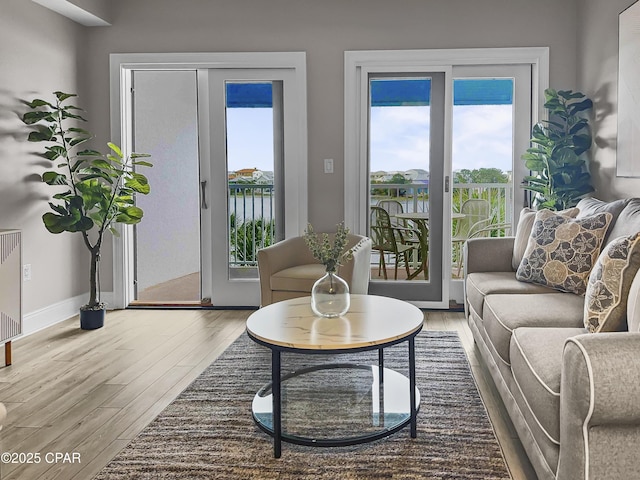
x=598, y=74
x=325, y=29
x=322, y=28
x=34, y=63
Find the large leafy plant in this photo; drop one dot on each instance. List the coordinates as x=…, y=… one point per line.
x=557, y=157
x=95, y=190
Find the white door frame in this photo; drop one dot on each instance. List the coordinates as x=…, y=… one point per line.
x=121, y=68
x=359, y=63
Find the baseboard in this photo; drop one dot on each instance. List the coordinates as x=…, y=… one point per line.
x=58, y=312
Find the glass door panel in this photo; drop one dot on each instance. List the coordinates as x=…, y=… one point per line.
x=406, y=156
x=491, y=118
x=250, y=168
x=245, y=145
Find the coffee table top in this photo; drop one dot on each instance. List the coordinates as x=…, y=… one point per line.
x=371, y=321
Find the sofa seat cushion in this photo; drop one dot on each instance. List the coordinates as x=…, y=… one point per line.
x=504, y=313
x=536, y=364
x=297, y=279
x=480, y=284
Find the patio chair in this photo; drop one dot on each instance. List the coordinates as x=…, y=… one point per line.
x=388, y=239
x=393, y=207
x=477, y=216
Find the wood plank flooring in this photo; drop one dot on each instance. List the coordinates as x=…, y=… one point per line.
x=91, y=392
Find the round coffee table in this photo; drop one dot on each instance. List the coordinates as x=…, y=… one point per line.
x=372, y=323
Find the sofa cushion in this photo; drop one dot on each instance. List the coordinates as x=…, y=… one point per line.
x=297, y=279
x=605, y=307
x=628, y=222
x=523, y=232
x=590, y=206
x=504, y=313
x=562, y=250
x=480, y=284
x=536, y=364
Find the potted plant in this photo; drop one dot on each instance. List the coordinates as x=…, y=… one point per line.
x=94, y=190
x=557, y=157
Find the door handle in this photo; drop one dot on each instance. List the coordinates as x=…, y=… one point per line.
x=203, y=195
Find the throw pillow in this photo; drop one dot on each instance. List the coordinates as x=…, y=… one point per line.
x=562, y=251
x=523, y=232
x=605, y=306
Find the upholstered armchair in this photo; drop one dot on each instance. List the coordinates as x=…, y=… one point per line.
x=288, y=270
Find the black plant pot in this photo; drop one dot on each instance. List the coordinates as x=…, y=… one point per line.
x=91, y=319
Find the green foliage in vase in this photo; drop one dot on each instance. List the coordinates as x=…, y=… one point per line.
x=557, y=157
x=94, y=190
x=322, y=250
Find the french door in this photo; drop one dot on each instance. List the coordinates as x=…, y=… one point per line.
x=243, y=177
x=484, y=109
x=215, y=126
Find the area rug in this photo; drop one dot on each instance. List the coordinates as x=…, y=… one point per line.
x=208, y=431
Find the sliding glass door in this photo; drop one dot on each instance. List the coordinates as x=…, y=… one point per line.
x=434, y=138
x=406, y=167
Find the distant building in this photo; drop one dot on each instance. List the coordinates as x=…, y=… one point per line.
x=251, y=175
x=416, y=175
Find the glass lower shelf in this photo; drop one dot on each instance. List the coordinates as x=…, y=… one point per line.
x=337, y=404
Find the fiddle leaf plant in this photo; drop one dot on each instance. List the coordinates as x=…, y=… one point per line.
x=94, y=190
x=557, y=157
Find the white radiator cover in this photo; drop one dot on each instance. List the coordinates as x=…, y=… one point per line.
x=10, y=284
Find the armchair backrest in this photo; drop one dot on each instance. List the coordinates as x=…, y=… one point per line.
x=293, y=252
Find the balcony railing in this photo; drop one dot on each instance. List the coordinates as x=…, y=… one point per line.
x=251, y=222
x=251, y=210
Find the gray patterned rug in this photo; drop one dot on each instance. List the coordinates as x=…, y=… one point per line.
x=208, y=431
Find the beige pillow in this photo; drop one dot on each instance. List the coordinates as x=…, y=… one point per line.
x=562, y=251
x=523, y=232
x=605, y=306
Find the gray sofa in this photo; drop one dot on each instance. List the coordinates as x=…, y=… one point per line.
x=573, y=396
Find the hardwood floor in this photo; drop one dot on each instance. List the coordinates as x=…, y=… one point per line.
x=89, y=393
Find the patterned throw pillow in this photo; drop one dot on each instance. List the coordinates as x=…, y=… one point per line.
x=562, y=251
x=523, y=232
x=605, y=306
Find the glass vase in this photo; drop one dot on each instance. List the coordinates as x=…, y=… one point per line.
x=330, y=296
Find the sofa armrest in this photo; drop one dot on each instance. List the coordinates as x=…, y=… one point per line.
x=599, y=407
x=488, y=254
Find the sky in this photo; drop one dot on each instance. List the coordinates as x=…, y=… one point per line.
x=482, y=137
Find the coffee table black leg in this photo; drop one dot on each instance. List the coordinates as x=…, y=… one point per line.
x=381, y=365
x=412, y=388
x=277, y=404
